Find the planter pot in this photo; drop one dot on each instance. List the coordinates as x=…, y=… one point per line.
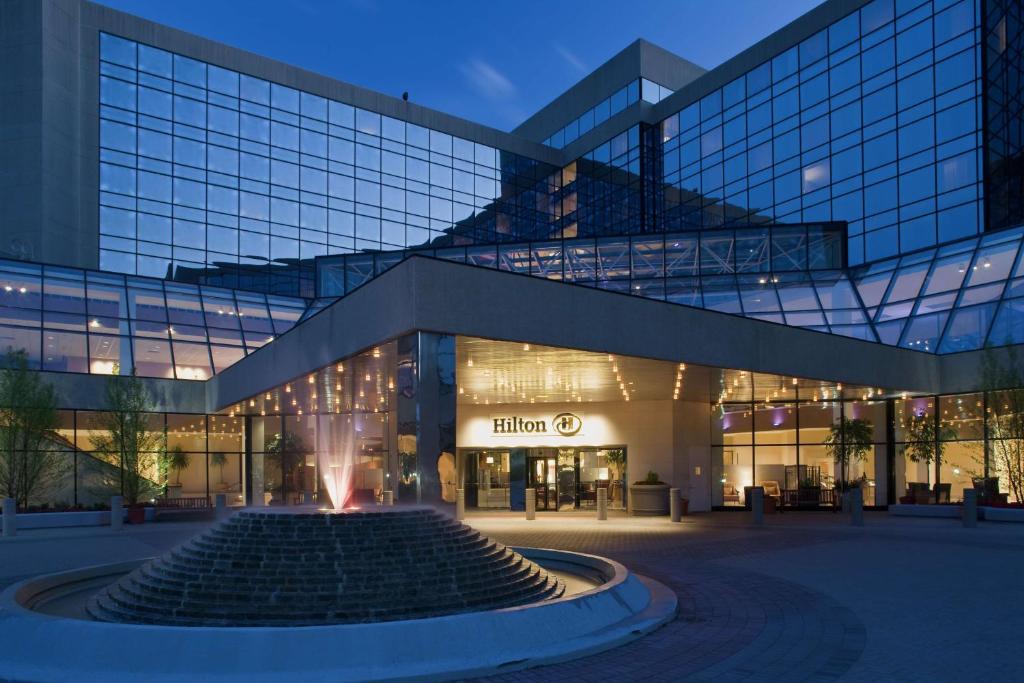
x=648, y=499
x=136, y=514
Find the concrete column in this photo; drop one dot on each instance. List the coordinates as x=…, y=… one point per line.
x=10, y=517
x=970, y=508
x=460, y=504
x=116, y=512
x=757, y=505
x=531, y=503
x=220, y=505
x=675, y=506
x=602, y=503
x=389, y=497
x=855, y=504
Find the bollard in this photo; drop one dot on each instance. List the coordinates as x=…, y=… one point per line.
x=855, y=504
x=220, y=505
x=116, y=512
x=531, y=503
x=10, y=517
x=460, y=504
x=602, y=503
x=675, y=505
x=389, y=497
x=970, y=509
x=757, y=505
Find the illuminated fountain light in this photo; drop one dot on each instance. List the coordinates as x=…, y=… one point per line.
x=336, y=458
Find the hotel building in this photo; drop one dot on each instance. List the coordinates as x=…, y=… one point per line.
x=700, y=274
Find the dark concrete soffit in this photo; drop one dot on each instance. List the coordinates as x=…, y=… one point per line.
x=639, y=59
x=89, y=392
x=446, y=297
x=135, y=28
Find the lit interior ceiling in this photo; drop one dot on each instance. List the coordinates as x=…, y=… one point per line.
x=490, y=372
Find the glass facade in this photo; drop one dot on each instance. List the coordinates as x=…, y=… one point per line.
x=1004, y=112
x=71, y=320
x=201, y=167
x=212, y=462
x=875, y=120
x=773, y=432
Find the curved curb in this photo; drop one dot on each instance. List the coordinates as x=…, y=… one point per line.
x=46, y=648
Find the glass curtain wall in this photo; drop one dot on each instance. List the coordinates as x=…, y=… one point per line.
x=205, y=169
x=874, y=120
x=775, y=432
x=186, y=456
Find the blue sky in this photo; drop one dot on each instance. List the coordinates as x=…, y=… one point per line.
x=491, y=61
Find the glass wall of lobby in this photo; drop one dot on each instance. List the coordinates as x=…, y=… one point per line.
x=775, y=432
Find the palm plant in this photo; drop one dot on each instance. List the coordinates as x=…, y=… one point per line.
x=218, y=460
x=177, y=461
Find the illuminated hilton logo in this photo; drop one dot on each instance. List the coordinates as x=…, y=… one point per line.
x=564, y=424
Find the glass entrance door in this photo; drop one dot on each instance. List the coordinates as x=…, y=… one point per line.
x=544, y=480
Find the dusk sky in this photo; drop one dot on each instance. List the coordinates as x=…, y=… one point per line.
x=493, y=62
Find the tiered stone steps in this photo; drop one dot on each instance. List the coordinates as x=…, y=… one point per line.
x=267, y=568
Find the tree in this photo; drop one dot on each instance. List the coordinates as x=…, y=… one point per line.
x=218, y=460
x=926, y=442
x=849, y=440
x=1003, y=378
x=126, y=440
x=284, y=454
x=29, y=463
x=177, y=461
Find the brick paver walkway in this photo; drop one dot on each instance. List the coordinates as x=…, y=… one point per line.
x=804, y=598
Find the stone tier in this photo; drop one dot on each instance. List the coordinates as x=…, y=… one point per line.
x=285, y=568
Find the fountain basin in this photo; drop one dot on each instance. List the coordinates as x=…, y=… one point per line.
x=38, y=646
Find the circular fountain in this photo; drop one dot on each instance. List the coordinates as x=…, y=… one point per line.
x=377, y=594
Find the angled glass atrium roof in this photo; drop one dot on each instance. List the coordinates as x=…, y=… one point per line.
x=959, y=297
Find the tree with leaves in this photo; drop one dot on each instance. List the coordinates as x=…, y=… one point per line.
x=30, y=465
x=284, y=454
x=127, y=441
x=849, y=440
x=1003, y=378
x=926, y=441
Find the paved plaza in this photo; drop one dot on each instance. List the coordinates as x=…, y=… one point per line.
x=805, y=598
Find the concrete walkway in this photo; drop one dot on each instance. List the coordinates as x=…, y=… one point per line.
x=804, y=598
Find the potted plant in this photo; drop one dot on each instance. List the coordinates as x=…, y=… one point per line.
x=176, y=461
x=850, y=439
x=649, y=496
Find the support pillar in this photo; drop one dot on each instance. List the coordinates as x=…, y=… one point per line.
x=757, y=505
x=425, y=396
x=675, y=505
x=970, y=508
x=531, y=503
x=10, y=517
x=602, y=503
x=855, y=504
x=116, y=512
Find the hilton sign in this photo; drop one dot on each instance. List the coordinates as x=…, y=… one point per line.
x=562, y=424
